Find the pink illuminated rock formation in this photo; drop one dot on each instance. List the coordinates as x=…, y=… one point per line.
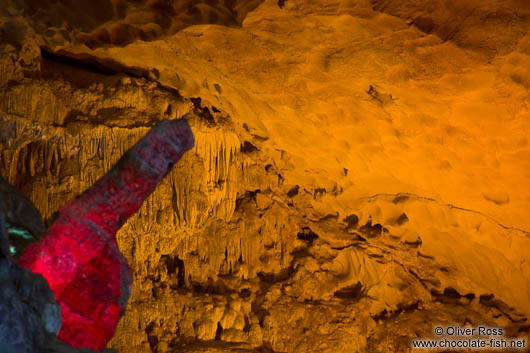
x=79, y=256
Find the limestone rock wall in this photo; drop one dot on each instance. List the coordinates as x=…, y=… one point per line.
x=360, y=171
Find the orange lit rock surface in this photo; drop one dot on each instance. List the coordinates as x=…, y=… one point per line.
x=361, y=169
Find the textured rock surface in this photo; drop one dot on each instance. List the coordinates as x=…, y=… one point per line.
x=22, y=221
x=360, y=172
x=28, y=311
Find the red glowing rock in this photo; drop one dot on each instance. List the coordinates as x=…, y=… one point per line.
x=79, y=256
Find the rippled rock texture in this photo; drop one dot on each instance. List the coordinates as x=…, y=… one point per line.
x=360, y=169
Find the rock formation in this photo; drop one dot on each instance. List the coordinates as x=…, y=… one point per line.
x=78, y=255
x=359, y=175
x=28, y=311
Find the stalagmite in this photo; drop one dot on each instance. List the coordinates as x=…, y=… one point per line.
x=79, y=256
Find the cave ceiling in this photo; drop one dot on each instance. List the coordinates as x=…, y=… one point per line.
x=360, y=175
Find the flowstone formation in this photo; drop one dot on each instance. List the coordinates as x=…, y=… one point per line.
x=359, y=175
